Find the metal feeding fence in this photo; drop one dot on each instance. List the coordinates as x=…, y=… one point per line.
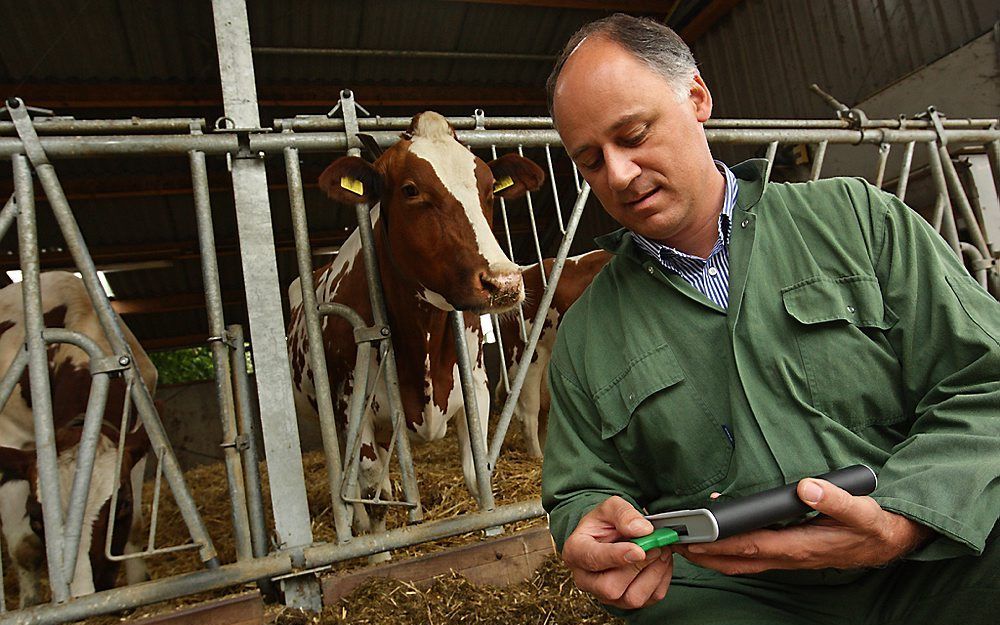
x=295, y=560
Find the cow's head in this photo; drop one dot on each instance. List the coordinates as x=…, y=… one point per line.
x=436, y=204
x=94, y=571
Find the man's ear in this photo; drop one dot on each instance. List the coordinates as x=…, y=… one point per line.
x=15, y=463
x=351, y=180
x=515, y=176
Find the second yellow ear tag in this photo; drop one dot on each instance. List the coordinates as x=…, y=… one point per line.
x=502, y=184
x=353, y=185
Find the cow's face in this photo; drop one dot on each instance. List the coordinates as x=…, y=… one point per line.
x=437, y=209
x=94, y=572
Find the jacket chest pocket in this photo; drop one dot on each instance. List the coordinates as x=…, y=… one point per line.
x=661, y=427
x=839, y=324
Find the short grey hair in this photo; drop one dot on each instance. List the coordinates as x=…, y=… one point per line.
x=651, y=42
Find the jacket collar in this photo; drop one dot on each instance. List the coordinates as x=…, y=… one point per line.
x=750, y=178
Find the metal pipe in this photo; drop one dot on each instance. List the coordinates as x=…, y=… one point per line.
x=948, y=229
x=883, y=158
x=964, y=207
x=993, y=155
x=38, y=375
x=555, y=190
x=980, y=272
x=403, y=54
x=534, y=226
x=475, y=424
x=272, y=143
x=536, y=327
x=12, y=376
x=772, y=150
x=510, y=244
x=274, y=565
x=411, y=491
x=63, y=126
x=7, y=216
x=904, y=171
x=248, y=429
x=317, y=354
x=220, y=354
x=817, y=166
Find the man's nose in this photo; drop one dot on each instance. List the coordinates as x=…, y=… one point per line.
x=621, y=170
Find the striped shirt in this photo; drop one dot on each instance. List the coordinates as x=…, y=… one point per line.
x=709, y=275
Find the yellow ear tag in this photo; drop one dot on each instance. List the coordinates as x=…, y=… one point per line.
x=353, y=185
x=502, y=184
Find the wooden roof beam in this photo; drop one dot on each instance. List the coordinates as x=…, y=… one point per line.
x=626, y=6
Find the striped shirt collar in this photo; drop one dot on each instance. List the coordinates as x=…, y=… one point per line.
x=667, y=255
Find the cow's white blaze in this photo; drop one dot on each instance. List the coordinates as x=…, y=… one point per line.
x=455, y=167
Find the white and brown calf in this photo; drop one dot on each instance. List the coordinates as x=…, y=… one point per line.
x=66, y=305
x=436, y=253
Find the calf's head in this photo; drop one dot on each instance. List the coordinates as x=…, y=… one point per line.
x=94, y=571
x=436, y=205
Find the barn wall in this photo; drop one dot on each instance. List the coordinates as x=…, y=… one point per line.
x=760, y=59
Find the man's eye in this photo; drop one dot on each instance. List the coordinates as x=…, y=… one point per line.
x=635, y=139
x=590, y=165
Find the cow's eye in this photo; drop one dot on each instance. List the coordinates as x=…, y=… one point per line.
x=410, y=190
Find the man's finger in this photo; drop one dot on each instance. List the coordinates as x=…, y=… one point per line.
x=626, y=519
x=583, y=552
x=837, y=503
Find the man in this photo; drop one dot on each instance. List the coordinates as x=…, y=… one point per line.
x=748, y=335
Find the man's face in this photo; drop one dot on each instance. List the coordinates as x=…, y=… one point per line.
x=641, y=148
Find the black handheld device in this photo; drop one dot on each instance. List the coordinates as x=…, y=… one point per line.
x=722, y=519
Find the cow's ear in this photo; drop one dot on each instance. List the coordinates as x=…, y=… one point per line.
x=15, y=463
x=515, y=176
x=351, y=180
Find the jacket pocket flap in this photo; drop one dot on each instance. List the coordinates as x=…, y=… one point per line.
x=643, y=376
x=854, y=299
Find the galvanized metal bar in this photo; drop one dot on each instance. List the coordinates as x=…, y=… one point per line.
x=904, y=171
x=116, y=338
x=401, y=54
x=498, y=332
x=536, y=327
x=248, y=429
x=38, y=375
x=883, y=158
x=220, y=354
x=12, y=376
x=376, y=295
x=948, y=229
x=993, y=153
x=510, y=248
x=964, y=207
x=576, y=176
x=317, y=354
x=253, y=219
x=7, y=216
x=818, y=157
x=555, y=190
x=273, y=143
x=154, y=515
x=475, y=424
x=772, y=149
x=979, y=272
x=69, y=126
x=534, y=226
x=274, y=565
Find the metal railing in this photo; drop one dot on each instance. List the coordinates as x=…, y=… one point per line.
x=255, y=561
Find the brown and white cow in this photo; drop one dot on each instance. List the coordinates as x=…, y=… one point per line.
x=533, y=403
x=66, y=305
x=436, y=253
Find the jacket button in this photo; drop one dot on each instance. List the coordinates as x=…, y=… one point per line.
x=850, y=309
x=746, y=222
x=650, y=270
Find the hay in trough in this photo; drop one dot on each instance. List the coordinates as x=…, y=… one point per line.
x=549, y=597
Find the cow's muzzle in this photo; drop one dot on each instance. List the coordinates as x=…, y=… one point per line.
x=503, y=290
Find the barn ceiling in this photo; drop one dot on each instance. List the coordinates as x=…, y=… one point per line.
x=115, y=59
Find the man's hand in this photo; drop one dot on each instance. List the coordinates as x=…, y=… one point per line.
x=620, y=574
x=855, y=533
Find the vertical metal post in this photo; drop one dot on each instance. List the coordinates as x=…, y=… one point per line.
x=534, y=227
x=220, y=354
x=947, y=225
x=38, y=375
x=555, y=189
x=904, y=171
x=817, y=166
x=317, y=355
x=260, y=273
x=472, y=416
x=772, y=149
x=510, y=248
x=536, y=327
x=883, y=158
x=248, y=429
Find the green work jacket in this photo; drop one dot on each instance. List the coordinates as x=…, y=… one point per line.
x=853, y=335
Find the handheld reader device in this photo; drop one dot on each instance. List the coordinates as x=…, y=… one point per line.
x=722, y=519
